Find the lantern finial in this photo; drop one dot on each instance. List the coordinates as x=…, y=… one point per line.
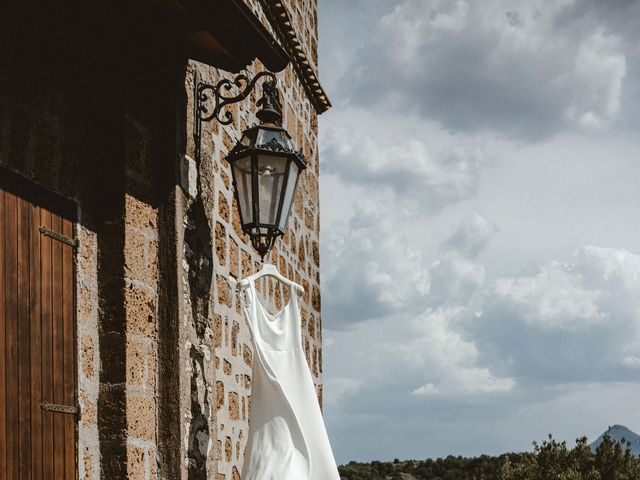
x=271, y=111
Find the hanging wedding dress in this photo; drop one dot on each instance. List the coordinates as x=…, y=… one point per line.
x=287, y=438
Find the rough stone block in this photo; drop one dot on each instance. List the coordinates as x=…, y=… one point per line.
x=89, y=413
x=311, y=327
x=141, y=363
x=153, y=464
x=235, y=330
x=87, y=259
x=228, y=449
x=224, y=176
x=309, y=218
x=86, y=304
x=247, y=355
x=224, y=291
x=219, y=395
x=88, y=350
x=136, y=265
x=235, y=475
x=246, y=263
x=140, y=307
x=223, y=207
x=139, y=214
x=87, y=460
x=236, y=223
x=217, y=330
x=301, y=253
x=298, y=202
x=316, y=253
x=152, y=260
x=233, y=257
x=141, y=416
x=136, y=462
x=188, y=176
x=278, y=297
x=234, y=406
x=319, y=391
x=315, y=299
x=221, y=243
x=315, y=362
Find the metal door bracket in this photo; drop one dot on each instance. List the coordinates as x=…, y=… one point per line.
x=58, y=236
x=57, y=408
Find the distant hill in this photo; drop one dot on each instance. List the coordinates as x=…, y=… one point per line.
x=617, y=433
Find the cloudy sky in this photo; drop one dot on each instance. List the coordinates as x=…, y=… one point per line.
x=480, y=223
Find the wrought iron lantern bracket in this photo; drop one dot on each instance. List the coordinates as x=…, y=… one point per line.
x=265, y=155
x=220, y=95
x=205, y=92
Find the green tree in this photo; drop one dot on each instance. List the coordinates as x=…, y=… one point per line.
x=553, y=460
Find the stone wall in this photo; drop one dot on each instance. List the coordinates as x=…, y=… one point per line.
x=164, y=354
x=218, y=350
x=215, y=340
x=117, y=168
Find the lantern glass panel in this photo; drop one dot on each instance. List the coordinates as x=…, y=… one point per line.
x=266, y=136
x=271, y=171
x=292, y=181
x=242, y=174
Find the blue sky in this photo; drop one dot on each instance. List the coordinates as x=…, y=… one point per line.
x=480, y=242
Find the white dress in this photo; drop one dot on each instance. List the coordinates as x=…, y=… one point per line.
x=287, y=438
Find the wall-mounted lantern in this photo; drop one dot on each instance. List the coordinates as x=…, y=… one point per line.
x=265, y=165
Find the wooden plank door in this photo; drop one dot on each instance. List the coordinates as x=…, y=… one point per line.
x=37, y=333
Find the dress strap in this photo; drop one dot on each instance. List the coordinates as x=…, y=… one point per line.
x=247, y=294
x=294, y=314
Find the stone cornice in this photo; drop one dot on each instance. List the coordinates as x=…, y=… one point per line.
x=280, y=19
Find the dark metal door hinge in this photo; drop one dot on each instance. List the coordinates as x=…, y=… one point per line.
x=57, y=408
x=60, y=237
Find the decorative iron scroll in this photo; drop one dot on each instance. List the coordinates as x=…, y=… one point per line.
x=205, y=92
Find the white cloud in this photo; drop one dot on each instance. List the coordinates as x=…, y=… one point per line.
x=426, y=390
x=454, y=279
x=481, y=369
x=457, y=275
x=448, y=359
x=598, y=99
x=553, y=298
x=504, y=65
x=338, y=389
x=471, y=236
x=617, y=267
x=439, y=347
x=415, y=174
x=631, y=361
x=569, y=321
x=369, y=268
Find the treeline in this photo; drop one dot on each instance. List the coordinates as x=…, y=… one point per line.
x=549, y=460
x=450, y=468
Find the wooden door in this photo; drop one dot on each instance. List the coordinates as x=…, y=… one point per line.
x=37, y=333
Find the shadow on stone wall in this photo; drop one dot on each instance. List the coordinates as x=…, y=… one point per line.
x=73, y=92
x=198, y=249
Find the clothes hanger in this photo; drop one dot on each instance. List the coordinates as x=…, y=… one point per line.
x=270, y=270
